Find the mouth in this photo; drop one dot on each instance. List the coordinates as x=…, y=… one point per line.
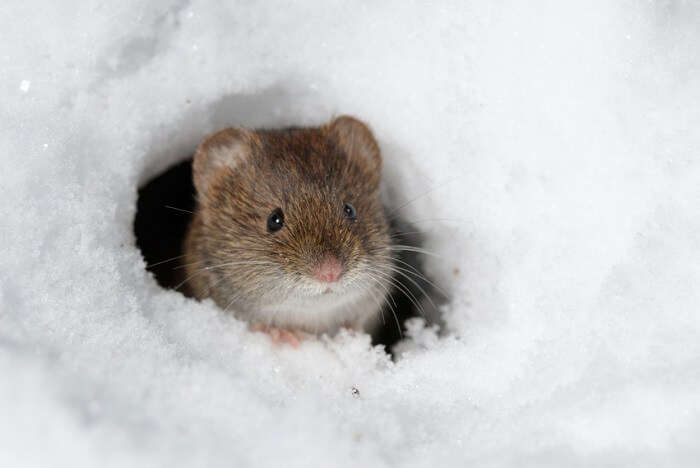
x=319, y=289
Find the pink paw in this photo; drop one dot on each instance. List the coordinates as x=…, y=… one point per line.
x=280, y=335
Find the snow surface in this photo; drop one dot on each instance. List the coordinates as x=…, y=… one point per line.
x=556, y=146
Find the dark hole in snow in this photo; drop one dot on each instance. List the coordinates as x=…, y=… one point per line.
x=164, y=210
x=163, y=213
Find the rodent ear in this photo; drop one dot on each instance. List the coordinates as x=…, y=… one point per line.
x=226, y=148
x=356, y=139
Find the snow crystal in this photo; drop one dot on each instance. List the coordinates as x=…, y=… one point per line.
x=555, y=148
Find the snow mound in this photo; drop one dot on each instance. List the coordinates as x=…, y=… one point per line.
x=550, y=154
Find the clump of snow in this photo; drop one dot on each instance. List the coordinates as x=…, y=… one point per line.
x=556, y=146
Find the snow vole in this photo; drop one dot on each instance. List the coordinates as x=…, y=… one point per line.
x=289, y=232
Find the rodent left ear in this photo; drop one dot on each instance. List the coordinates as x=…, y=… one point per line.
x=356, y=139
x=226, y=148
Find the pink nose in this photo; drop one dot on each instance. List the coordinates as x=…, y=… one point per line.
x=328, y=270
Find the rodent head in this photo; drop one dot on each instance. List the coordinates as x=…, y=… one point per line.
x=286, y=216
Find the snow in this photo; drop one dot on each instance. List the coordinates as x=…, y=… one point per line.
x=555, y=148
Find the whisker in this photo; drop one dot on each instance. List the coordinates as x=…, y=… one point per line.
x=179, y=209
x=386, y=290
x=396, y=318
x=394, y=211
x=441, y=220
x=363, y=287
x=164, y=261
x=245, y=262
x=202, y=270
x=404, y=234
x=219, y=281
x=415, y=273
x=400, y=271
x=185, y=265
x=380, y=306
x=409, y=248
x=233, y=250
x=404, y=289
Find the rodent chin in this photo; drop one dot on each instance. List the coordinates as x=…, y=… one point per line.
x=322, y=312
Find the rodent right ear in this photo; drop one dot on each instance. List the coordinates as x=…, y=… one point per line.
x=226, y=148
x=356, y=139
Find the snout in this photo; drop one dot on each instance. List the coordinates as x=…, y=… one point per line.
x=328, y=270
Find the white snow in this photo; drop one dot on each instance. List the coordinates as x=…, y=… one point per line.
x=557, y=149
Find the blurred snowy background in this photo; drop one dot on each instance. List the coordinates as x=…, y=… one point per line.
x=557, y=143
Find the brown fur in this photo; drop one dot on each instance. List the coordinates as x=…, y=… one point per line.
x=241, y=176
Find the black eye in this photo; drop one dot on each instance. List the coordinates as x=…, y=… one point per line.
x=349, y=211
x=275, y=221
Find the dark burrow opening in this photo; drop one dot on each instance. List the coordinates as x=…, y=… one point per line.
x=164, y=210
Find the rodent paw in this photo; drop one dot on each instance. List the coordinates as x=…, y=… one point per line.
x=281, y=335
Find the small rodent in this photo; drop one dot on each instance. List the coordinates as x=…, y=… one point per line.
x=289, y=232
